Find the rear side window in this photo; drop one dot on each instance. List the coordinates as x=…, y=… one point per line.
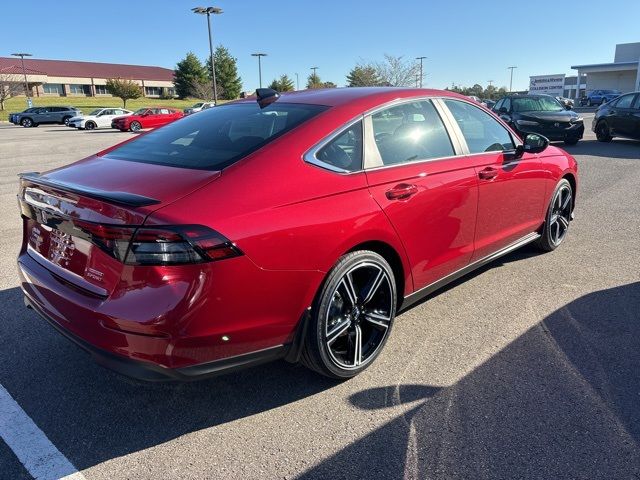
x=217, y=137
x=345, y=150
x=481, y=131
x=625, y=101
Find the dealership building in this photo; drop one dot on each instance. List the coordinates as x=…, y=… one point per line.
x=64, y=78
x=623, y=74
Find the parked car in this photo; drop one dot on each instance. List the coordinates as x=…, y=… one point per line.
x=262, y=229
x=618, y=118
x=32, y=117
x=541, y=114
x=600, y=97
x=566, y=102
x=198, y=107
x=146, y=118
x=99, y=118
x=488, y=103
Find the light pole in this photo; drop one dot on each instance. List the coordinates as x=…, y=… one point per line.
x=421, y=76
x=297, y=82
x=511, y=81
x=24, y=72
x=259, y=55
x=208, y=11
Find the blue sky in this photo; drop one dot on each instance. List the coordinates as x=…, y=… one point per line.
x=465, y=41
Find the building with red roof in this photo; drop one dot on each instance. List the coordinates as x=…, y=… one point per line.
x=84, y=79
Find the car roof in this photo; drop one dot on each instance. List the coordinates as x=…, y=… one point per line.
x=372, y=96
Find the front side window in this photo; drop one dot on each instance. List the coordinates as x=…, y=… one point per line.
x=625, y=101
x=345, y=150
x=217, y=137
x=409, y=132
x=482, y=132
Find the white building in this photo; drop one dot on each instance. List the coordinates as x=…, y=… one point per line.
x=622, y=74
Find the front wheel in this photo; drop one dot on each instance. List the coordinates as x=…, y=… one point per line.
x=603, y=134
x=135, y=126
x=26, y=122
x=89, y=125
x=352, y=316
x=558, y=217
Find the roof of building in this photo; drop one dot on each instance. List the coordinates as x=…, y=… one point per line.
x=69, y=68
x=17, y=70
x=606, y=65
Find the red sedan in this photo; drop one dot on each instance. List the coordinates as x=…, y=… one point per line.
x=293, y=226
x=146, y=118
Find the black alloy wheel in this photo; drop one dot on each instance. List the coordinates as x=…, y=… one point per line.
x=558, y=217
x=603, y=134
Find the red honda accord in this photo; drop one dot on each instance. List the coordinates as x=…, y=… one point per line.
x=293, y=226
x=146, y=118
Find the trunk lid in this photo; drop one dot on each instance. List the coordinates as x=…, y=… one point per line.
x=80, y=218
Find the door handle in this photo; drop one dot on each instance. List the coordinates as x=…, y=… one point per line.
x=401, y=191
x=488, y=173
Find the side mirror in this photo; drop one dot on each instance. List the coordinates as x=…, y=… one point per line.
x=503, y=110
x=568, y=107
x=533, y=143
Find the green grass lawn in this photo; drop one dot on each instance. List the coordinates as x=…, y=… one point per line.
x=87, y=104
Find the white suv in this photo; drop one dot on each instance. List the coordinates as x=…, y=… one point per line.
x=100, y=118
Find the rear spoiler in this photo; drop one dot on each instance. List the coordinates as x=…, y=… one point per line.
x=123, y=198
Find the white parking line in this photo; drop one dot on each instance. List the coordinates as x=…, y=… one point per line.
x=32, y=447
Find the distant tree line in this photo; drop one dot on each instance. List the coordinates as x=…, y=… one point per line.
x=490, y=92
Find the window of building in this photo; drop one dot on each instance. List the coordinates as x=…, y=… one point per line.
x=52, y=88
x=101, y=90
x=481, y=131
x=152, y=91
x=77, y=89
x=344, y=151
x=409, y=132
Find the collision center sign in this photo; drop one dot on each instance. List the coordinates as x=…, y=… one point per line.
x=548, y=84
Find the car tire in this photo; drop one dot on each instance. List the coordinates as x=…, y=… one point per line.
x=65, y=121
x=135, y=126
x=603, y=133
x=90, y=125
x=571, y=141
x=559, y=213
x=351, y=317
x=27, y=123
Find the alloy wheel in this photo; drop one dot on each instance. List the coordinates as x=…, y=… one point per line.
x=359, y=315
x=27, y=122
x=560, y=215
x=135, y=126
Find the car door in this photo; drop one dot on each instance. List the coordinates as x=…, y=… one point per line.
x=43, y=115
x=620, y=115
x=427, y=191
x=635, y=114
x=511, y=190
x=105, y=117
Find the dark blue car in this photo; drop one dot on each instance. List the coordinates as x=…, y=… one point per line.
x=600, y=97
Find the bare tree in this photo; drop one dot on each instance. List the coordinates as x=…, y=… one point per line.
x=10, y=86
x=203, y=90
x=396, y=71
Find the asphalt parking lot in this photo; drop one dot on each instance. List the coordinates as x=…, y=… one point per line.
x=525, y=369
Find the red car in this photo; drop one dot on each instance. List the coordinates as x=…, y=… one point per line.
x=146, y=118
x=293, y=226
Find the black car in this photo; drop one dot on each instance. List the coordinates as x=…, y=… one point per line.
x=618, y=118
x=32, y=117
x=541, y=114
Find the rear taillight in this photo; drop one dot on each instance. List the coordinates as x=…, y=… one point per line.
x=165, y=245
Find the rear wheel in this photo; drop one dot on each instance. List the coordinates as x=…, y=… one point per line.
x=90, y=125
x=65, y=120
x=135, y=126
x=26, y=122
x=558, y=217
x=603, y=134
x=352, y=316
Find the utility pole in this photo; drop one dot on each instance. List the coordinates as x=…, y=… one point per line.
x=259, y=55
x=314, y=70
x=490, y=82
x=511, y=81
x=421, y=75
x=24, y=72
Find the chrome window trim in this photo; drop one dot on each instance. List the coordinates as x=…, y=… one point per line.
x=310, y=155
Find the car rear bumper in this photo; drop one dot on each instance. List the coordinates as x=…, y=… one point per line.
x=169, y=330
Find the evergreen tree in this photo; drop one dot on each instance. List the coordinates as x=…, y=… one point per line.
x=313, y=81
x=282, y=84
x=188, y=71
x=363, y=76
x=329, y=85
x=227, y=80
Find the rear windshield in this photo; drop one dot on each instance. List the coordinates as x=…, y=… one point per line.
x=216, y=137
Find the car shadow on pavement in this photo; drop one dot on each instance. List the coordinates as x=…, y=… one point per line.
x=92, y=414
x=618, y=148
x=561, y=401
